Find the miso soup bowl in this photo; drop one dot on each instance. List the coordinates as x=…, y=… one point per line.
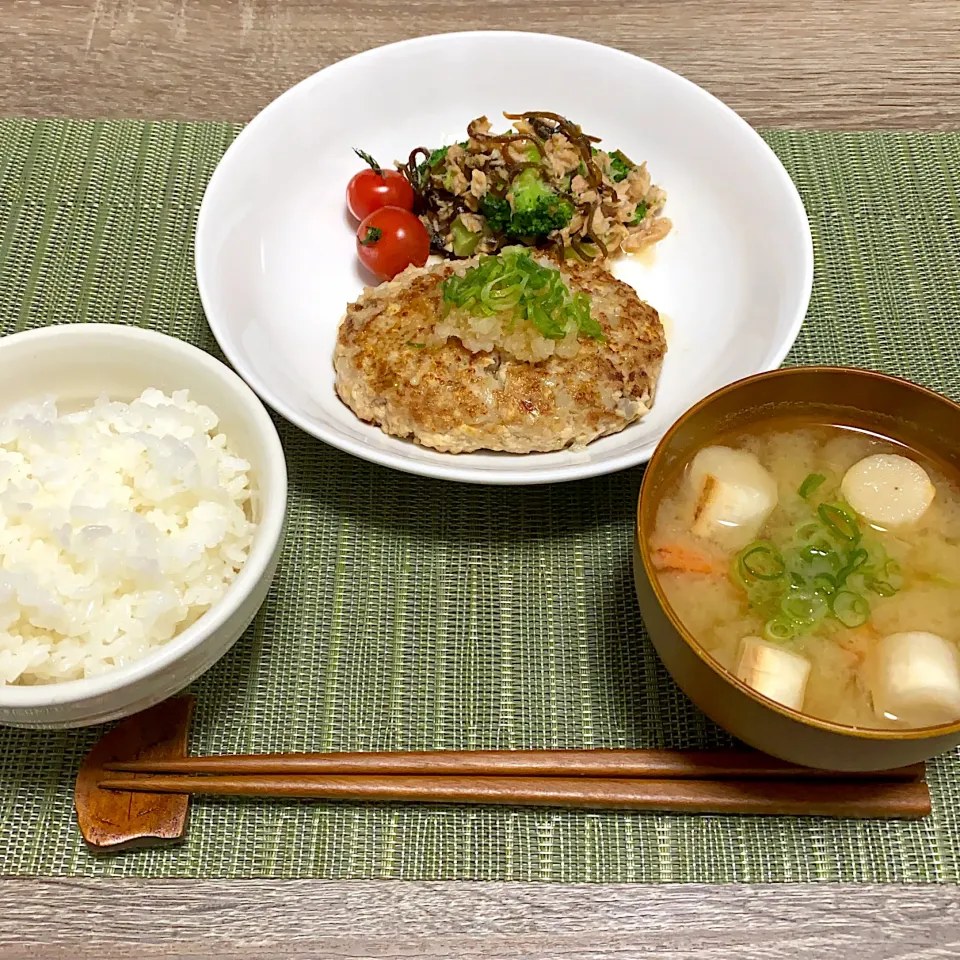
x=893, y=408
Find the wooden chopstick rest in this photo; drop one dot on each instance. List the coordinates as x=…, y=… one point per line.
x=110, y=820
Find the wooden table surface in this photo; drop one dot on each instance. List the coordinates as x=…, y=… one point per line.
x=820, y=63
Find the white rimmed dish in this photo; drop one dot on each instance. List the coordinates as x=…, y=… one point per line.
x=75, y=364
x=276, y=262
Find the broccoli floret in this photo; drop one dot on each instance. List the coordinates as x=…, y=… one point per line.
x=497, y=211
x=537, y=210
x=640, y=213
x=465, y=241
x=436, y=156
x=425, y=167
x=428, y=166
x=620, y=166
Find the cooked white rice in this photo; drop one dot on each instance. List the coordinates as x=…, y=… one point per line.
x=120, y=524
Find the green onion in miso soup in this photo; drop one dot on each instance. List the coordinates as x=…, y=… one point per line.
x=819, y=565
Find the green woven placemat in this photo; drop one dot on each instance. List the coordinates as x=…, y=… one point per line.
x=410, y=614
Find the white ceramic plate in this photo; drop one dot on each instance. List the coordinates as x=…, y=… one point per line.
x=276, y=263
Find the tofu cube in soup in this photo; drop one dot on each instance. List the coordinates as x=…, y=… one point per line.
x=888, y=490
x=773, y=671
x=916, y=679
x=733, y=495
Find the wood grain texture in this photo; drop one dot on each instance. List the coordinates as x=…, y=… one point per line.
x=820, y=63
x=754, y=797
x=260, y=919
x=648, y=764
x=111, y=821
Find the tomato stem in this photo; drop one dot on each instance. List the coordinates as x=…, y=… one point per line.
x=372, y=235
x=366, y=158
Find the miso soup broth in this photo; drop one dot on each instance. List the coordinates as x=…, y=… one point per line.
x=821, y=565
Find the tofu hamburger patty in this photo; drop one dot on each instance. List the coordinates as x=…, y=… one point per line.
x=394, y=370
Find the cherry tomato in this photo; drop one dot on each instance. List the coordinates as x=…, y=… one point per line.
x=390, y=239
x=374, y=188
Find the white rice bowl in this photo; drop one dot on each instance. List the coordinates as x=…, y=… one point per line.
x=120, y=525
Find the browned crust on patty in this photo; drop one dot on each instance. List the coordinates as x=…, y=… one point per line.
x=450, y=399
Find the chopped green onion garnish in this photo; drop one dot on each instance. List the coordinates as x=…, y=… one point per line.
x=807, y=531
x=804, y=608
x=840, y=521
x=812, y=483
x=893, y=574
x=855, y=560
x=764, y=597
x=876, y=558
x=851, y=609
x=780, y=628
x=886, y=580
x=762, y=561
x=812, y=552
x=820, y=576
x=825, y=584
x=514, y=281
x=880, y=587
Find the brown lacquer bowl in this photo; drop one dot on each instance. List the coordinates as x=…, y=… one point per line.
x=894, y=408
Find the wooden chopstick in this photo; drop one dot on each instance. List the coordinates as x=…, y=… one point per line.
x=783, y=798
x=647, y=764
